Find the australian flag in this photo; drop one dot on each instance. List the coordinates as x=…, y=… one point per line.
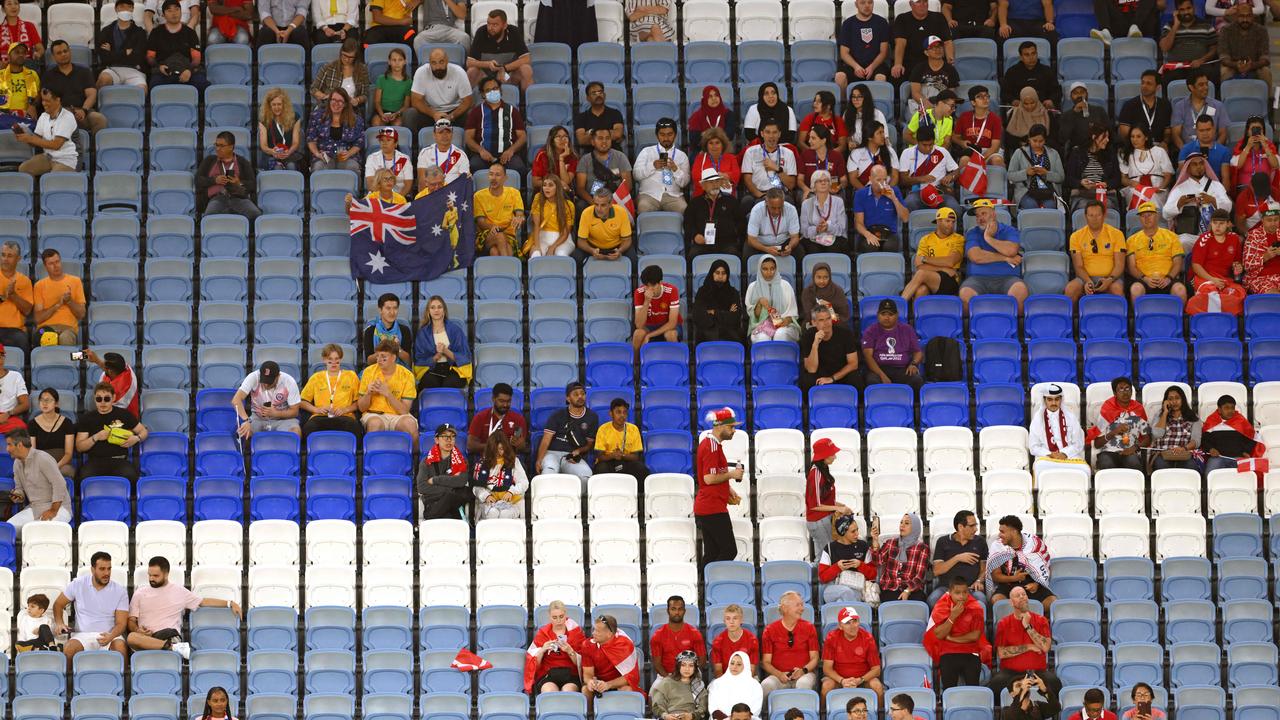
x=414, y=241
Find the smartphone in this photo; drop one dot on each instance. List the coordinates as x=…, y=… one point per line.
x=1255, y=130
x=663, y=156
x=77, y=355
x=18, y=129
x=1144, y=708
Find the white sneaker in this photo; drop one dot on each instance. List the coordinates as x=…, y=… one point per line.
x=1104, y=35
x=1134, y=32
x=182, y=648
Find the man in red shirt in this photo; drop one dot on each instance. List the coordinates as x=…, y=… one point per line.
x=789, y=648
x=1094, y=707
x=1023, y=640
x=850, y=658
x=609, y=660
x=499, y=416
x=733, y=638
x=657, y=306
x=671, y=639
x=955, y=635
x=120, y=375
x=711, y=503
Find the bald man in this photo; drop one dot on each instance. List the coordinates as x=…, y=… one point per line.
x=1022, y=644
x=440, y=90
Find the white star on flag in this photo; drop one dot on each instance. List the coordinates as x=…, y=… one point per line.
x=377, y=262
x=436, y=230
x=465, y=207
x=453, y=197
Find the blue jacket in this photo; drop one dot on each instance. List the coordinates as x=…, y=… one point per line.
x=424, y=345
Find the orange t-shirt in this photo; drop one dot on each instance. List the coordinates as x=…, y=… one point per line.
x=10, y=317
x=48, y=293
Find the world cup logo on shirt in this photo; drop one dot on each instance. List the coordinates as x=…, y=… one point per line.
x=891, y=347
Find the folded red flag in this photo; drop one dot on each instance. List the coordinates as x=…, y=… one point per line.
x=467, y=661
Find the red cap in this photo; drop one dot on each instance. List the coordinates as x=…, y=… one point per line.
x=847, y=614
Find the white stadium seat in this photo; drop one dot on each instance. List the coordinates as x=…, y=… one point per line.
x=275, y=585
x=387, y=585
x=565, y=583
x=667, y=579
x=445, y=542
x=216, y=581
x=891, y=450
x=502, y=584
x=107, y=536
x=1180, y=536
x=556, y=496
x=614, y=542
x=1266, y=403
x=784, y=539
x=611, y=495
x=779, y=451
x=811, y=20
x=273, y=542
x=49, y=581
x=217, y=543
x=1124, y=535
x=1119, y=491
x=1003, y=447
x=947, y=492
x=779, y=495
x=948, y=448
x=706, y=20
x=894, y=494
x=47, y=545
x=446, y=585
x=670, y=541
x=557, y=542
x=1094, y=395
x=610, y=21
x=164, y=538
x=500, y=541
x=615, y=584
x=1069, y=535
x=1062, y=492
x=387, y=542
x=1006, y=492
x=758, y=20
x=745, y=535
x=668, y=495
x=1175, y=491
x=333, y=585
x=331, y=543
x=849, y=460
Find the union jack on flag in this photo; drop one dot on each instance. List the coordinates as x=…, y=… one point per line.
x=383, y=220
x=413, y=241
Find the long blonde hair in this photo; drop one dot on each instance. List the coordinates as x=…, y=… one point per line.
x=287, y=117
x=540, y=202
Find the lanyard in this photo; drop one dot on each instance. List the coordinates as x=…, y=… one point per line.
x=715, y=163
x=280, y=132
x=495, y=425
x=228, y=170
x=823, y=215
x=392, y=165
x=332, y=390
x=1151, y=116
x=982, y=129
x=775, y=224
x=825, y=162
x=447, y=165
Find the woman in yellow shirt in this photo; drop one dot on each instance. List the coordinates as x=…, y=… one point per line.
x=330, y=395
x=384, y=189
x=552, y=221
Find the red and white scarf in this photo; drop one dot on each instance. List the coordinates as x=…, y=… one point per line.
x=1062, y=429
x=573, y=634
x=457, y=461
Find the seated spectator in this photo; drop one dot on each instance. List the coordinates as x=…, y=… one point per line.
x=225, y=182
x=21, y=87
x=1023, y=639
x=939, y=115
x=902, y=560
x=829, y=354
x=451, y=161
x=823, y=222
x=937, y=260
x=273, y=398
x=1262, y=247
x=717, y=307
x=34, y=627
x=216, y=704
x=769, y=107
x=387, y=326
x=1145, y=169
x=864, y=46
x=1215, y=264
x=229, y=21
x=388, y=157
x=1189, y=109
x=440, y=25
x=1026, y=112
x=651, y=21
x=556, y=158
x=505, y=144
x=444, y=487
x=672, y=640
x=101, y=610
x=389, y=21
x=1080, y=114
x=1175, y=432
x=1094, y=707
x=1120, y=431
x=152, y=14
x=1029, y=72
x=334, y=20
x=1097, y=255
x=1019, y=18
x=568, y=436
x=1121, y=18
x=335, y=134
x=850, y=658
x=891, y=350
x=1227, y=436
x=819, y=157
x=14, y=400
x=498, y=416
x=155, y=611
x=347, y=73
x=1032, y=699
x=75, y=84
x=499, y=50
x=604, y=229
x=875, y=150
x=1154, y=258
x=54, y=133
x=552, y=666
x=173, y=50
x=598, y=116
x=824, y=116
x=1193, y=199
x=738, y=641
x=846, y=564
x=387, y=391
x=956, y=638
x=1255, y=153
x=1220, y=9
x=53, y=433
x=1018, y=559
x=661, y=172
x=962, y=554
x=789, y=648
x=820, y=504
x=15, y=30
x=124, y=381
x=878, y=212
x=440, y=91
x=37, y=483
x=1092, y=171
x=122, y=49
x=619, y=448
x=59, y=304
x=610, y=661
x=931, y=180
x=711, y=222
x=771, y=306
x=279, y=132
x=713, y=114
x=1142, y=709
x=602, y=165
x=338, y=410
x=980, y=129
x=657, y=309
x=860, y=113
x=499, y=211
x=500, y=481
x=1188, y=39
x=1056, y=440
x=773, y=227
x=683, y=696
x=105, y=435
x=1036, y=172
x=767, y=166
x=930, y=77
x=553, y=215
x=1244, y=47
x=1148, y=111
x=824, y=292
x=1206, y=143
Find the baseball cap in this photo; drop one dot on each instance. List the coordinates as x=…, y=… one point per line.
x=269, y=372
x=1147, y=207
x=944, y=96
x=847, y=614
x=444, y=124
x=983, y=203
x=932, y=40
x=887, y=305
x=1272, y=209
x=443, y=428
x=945, y=212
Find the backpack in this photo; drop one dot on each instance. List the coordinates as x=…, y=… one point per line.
x=942, y=360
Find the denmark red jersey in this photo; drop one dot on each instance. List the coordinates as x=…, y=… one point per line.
x=711, y=499
x=851, y=658
x=790, y=649
x=665, y=645
x=722, y=648
x=1009, y=632
x=661, y=307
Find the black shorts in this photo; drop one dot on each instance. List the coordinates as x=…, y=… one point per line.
x=1042, y=593
x=561, y=676
x=1156, y=291
x=947, y=284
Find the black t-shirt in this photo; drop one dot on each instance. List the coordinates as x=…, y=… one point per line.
x=93, y=422
x=832, y=353
x=571, y=433
x=917, y=32
x=934, y=81
x=589, y=121
x=856, y=550
x=510, y=43
x=974, y=11
x=863, y=38
x=947, y=548
x=165, y=44
x=71, y=86
x=1153, y=121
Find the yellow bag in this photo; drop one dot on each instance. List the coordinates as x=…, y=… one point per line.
x=118, y=435
x=48, y=337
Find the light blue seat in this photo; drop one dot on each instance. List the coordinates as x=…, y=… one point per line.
x=38, y=707
x=273, y=671
x=1128, y=578
x=549, y=104
x=165, y=409
x=119, y=150
x=123, y=105
x=168, y=281
x=278, y=279
x=229, y=63
x=1246, y=620
x=975, y=58
x=443, y=627
x=552, y=62
x=497, y=362
x=1256, y=703
x=967, y=703
x=1237, y=535
x=214, y=668
x=1185, y=578
x=64, y=195
x=497, y=278
x=214, y=628
x=1081, y=664
x=1245, y=97
x=1077, y=621
x=1194, y=664
x=171, y=193
x=1131, y=56
x=552, y=365
x=605, y=279
x=601, y=62
x=224, y=236
x=40, y=673
x=661, y=233
x=280, y=63
x=327, y=706
x=277, y=322
x=170, y=237
x=707, y=61
x=174, y=106
x=607, y=320
x=653, y=62
x=272, y=706
x=880, y=274
x=552, y=278
x=96, y=707
x=331, y=280
x=1132, y=621
x=113, y=323
x=227, y=105
x=224, y=280
x=273, y=628
x=280, y=192
x=813, y=60
x=330, y=671
x=329, y=188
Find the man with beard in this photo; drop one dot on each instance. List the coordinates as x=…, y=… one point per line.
x=440, y=90
x=1147, y=111
x=1195, y=195
x=102, y=610
x=155, y=612
x=1187, y=39
x=1244, y=47
x=499, y=416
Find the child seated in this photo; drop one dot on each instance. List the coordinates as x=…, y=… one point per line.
x=35, y=631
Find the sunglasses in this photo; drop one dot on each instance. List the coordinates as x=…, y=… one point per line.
x=103, y=398
x=791, y=638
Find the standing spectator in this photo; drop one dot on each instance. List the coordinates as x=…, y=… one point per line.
x=1078, y=114
x=453, y=163
x=568, y=436
x=122, y=49
x=1148, y=111
x=820, y=504
x=1254, y=154
x=387, y=390
x=1093, y=170
x=731, y=641
x=829, y=355
x=335, y=134
x=937, y=260
x=1056, y=439
x=823, y=222
x=673, y=639
x=36, y=482
x=929, y=78
x=391, y=21
x=1193, y=198
x=902, y=559
x=441, y=356
x=552, y=662
x=600, y=116
x=388, y=157
x=1189, y=109
x=1226, y=436
x=442, y=482
x=878, y=214
x=1206, y=143
x=59, y=303
x=962, y=554
x=387, y=326
x=347, y=73
x=619, y=448
x=54, y=134
x=1187, y=39
x=1018, y=559
x=789, y=648
x=849, y=656
x=956, y=637
x=495, y=130
x=498, y=50
x=273, y=400
x=766, y=166
x=875, y=150
x=771, y=306
x=1097, y=256
x=1245, y=47
x=930, y=181
x=440, y=91
x=662, y=172
x=711, y=222
x=845, y=565
x=1030, y=72
x=818, y=157
x=1155, y=257
x=1121, y=18
x=500, y=482
x=773, y=227
x=20, y=86
x=610, y=661
x=769, y=107
x=864, y=46
x=979, y=129
x=823, y=292
x=651, y=20
x=499, y=211
x=717, y=307
x=1262, y=247
x=225, y=182
x=102, y=610
x=499, y=416
x=1120, y=430
x=1027, y=17
x=1094, y=707
x=229, y=21
x=75, y=84
x=603, y=164
x=334, y=20
x=391, y=91
x=1144, y=165
x=123, y=380
x=1023, y=639
x=657, y=309
x=712, y=114
x=337, y=411
x=891, y=350
x=440, y=20
x=714, y=494
x=1222, y=8
x=14, y=30
x=53, y=433
x=1036, y=172
x=971, y=19
x=279, y=132
x=155, y=611
x=1032, y=699
x=911, y=32
x=604, y=229
x=173, y=50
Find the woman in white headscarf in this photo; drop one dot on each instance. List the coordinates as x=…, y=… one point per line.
x=771, y=306
x=738, y=684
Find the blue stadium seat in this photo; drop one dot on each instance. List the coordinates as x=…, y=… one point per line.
x=716, y=397
x=760, y=61
x=443, y=628
x=668, y=451
x=706, y=62
x=1131, y=621
x=1131, y=56
x=729, y=581
x=777, y=407
x=105, y=498
x=229, y=63
x=1242, y=578
x=653, y=102
x=273, y=498
x=1246, y=620
x=1194, y=664
x=37, y=673
x=1214, y=325
x=1219, y=359
x=665, y=407
x=833, y=406
x=1000, y=404
x=1137, y=662
x=500, y=626
x=606, y=320
x=993, y=317
x=214, y=668
x=1103, y=317
x=64, y=195
x=1081, y=664
x=1251, y=664
x=552, y=63
x=997, y=361
x=1245, y=97
x=720, y=363
x=812, y=60
x=1052, y=360
x=280, y=64
x=976, y=58
x=1105, y=360
x=610, y=363
x=174, y=106
x=162, y=498
x=387, y=497
x=1129, y=578
x=387, y=628
x=1264, y=360
x=944, y=404
x=123, y=105
x=280, y=192
x=938, y=316
x=1237, y=535
x=1185, y=578
x=155, y=672
x=1162, y=360
x=1158, y=316
x=1077, y=621
x=1049, y=316
x=118, y=150
x=273, y=628
x=775, y=363
x=601, y=62
x=889, y=406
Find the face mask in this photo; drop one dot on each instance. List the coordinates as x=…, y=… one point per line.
x=493, y=97
x=125, y=15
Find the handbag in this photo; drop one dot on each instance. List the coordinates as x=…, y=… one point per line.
x=871, y=593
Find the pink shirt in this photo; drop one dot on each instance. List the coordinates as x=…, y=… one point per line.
x=161, y=608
